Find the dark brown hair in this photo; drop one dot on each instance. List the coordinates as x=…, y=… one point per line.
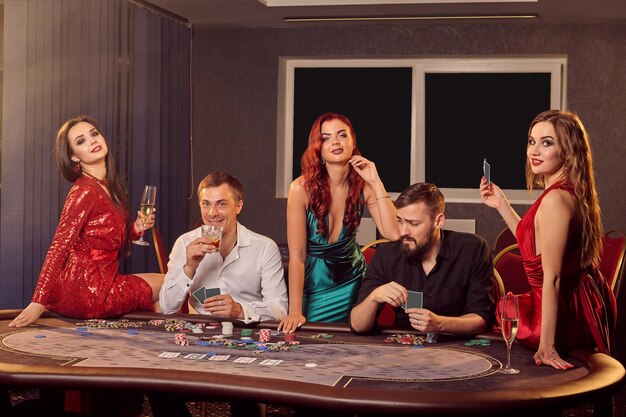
x=422, y=192
x=215, y=179
x=574, y=150
x=71, y=173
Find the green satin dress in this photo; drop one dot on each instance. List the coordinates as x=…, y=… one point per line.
x=332, y=272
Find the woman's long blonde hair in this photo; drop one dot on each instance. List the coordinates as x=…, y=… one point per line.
x=575, y=152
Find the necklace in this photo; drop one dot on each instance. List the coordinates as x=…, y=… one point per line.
x=104, y=183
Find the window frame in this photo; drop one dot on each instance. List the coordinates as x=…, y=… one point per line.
x=555, y=65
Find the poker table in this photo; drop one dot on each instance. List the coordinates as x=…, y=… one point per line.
x=330, y=368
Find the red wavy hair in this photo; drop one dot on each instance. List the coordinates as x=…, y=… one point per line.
x=316, y=179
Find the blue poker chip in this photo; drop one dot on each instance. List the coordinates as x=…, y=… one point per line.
x=85, y=333
x=133, y=331
x=81, y=329
x=40, y=336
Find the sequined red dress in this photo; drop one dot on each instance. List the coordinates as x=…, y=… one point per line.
x=79, y=277
x=586, y=304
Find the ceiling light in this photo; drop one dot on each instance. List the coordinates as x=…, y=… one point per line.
x=296, y=3
x=401, y=18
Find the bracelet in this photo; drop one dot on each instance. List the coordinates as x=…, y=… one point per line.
x=385, y=196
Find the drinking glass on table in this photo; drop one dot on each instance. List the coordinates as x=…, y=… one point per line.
x=509, y=316
x=148, y=200
x=214, y=233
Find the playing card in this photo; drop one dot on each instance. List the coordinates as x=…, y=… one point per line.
x=487, y=171
x=415, y=300
x=199, y=295
x=210, y=292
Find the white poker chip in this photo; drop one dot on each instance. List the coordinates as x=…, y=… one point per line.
x=310, y=365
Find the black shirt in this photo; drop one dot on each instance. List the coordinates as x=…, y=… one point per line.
x=460, y=282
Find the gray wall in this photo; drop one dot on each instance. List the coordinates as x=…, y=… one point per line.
x=122, y=64
x=235, y=75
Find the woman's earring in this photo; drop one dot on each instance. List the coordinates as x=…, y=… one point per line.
x=323, y=161
x=77, y=166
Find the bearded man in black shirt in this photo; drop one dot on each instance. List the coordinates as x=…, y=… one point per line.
x=452, y=270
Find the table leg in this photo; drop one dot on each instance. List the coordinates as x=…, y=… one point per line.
x=603, y=407
x=5, y=403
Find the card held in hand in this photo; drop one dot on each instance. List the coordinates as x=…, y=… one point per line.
x=199, y=295
x=415, y=300
x=487, y=171
x=210, y=292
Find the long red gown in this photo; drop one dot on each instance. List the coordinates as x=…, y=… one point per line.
x=586, y=309
x=79, y=277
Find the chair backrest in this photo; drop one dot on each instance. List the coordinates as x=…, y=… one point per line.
x=162, y=257
x=498, y=286
x=370, y=249
x=508, y=264
x=612, y=259
x=504, y=239
x=161, y=254
x=387, y=317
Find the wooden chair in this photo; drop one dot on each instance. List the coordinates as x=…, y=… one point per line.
x=387, y=317
x=498, y=286
x=612, y=267
x=612, y=260
x=508, y=264
x=159, y=249
x=370, y=249
x=162, y=258
x=504, y=239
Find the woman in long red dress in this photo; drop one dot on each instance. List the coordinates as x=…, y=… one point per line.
x=560, y=239
x=80, y=277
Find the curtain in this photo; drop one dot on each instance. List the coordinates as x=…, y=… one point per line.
x=125, y=65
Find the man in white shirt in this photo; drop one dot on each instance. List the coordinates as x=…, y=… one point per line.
x=247, y=267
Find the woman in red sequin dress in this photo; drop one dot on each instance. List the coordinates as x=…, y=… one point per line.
x=80, y=277
x=560, y=239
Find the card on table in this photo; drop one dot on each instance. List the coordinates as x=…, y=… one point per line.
x=487, y=171
x=415, y=300
x=199, y=295
x=210, y=292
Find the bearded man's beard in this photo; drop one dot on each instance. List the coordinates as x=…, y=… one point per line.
x=418, y=252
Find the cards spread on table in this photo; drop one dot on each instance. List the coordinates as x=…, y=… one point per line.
x=487, y=171
x=415, y=300
x=203, y=293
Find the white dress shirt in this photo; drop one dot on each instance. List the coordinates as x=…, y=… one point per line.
x=252, y=274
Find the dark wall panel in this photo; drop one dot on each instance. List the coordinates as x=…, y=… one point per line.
x=126, y=66
x=235, y=74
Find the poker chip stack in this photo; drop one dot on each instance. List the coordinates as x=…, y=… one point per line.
x=290, y=337
x=431, y=337
x=227, y=328
x=181, y=339
x=265, y=335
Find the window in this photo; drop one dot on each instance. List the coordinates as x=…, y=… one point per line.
x=423, y=119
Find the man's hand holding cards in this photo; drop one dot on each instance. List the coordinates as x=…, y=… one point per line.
x=203, y=293
x=415, y=299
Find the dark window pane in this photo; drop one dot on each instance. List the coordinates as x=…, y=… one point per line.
x=378, y=103
x=470, y=117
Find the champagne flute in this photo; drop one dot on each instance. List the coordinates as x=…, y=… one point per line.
x=509, y=316
x=148, y=200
